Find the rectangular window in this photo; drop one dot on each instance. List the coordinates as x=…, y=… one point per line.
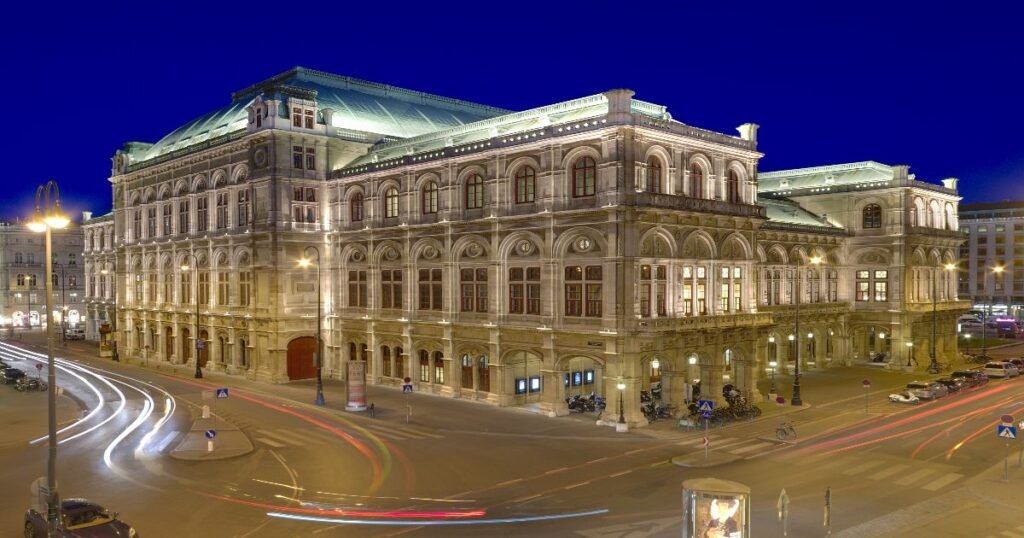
x=186, y=288
x=310, y=118
x=881, y=291
x=222, y=210
x=474, y=289
x=357, y=289
x=243, y=208
x=151, y=287
x=310, y=158
x=222, y=288
x=430, y=289
x=583, y=291
x=296, y=117
x=136, y=226
x=138, y=289
x=168, y=285
x=391, y=288
x=424, y=367
x=202, y=219
x=183, y=217
x=863, y=290
x=244, y=288
x=524, y=290
x=204, y=288
x=168, y=210
x=151, y=222
x=297, y=157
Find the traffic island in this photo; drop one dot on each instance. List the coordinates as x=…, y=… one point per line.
x=698, y=460
x=212, y=439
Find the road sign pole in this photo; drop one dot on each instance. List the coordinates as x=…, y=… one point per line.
x=706, y=443
x=1006, y=463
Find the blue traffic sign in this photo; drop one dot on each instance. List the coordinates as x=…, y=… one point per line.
x=222, y=393
x=1006, y=432
x=210, y=434
x=407, y=387
x=705, y=407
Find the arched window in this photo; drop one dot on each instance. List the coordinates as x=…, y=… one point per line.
x=584, y=177
x=391, y=203
x=355, y=207
x=21, y=280
x=525, y=185
x=430, y=198
x=732, y=187
x=474, y=192
x=385, y=355
x=872, y=216
x=438, y=368
x=654, y=175
x=483, y=374
x=424, y=366
x=696, y=181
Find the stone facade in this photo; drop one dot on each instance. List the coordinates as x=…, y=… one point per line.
x=22, y=288
x=513, y=259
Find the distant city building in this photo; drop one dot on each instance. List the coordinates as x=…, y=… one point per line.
x=992, y=260
x=512, y=257
x=99, y=257
x=22, y=284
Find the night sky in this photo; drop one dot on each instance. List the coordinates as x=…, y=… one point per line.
x=939, y=91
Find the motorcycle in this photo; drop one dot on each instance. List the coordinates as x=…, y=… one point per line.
x=30, y=383
x=904, y=397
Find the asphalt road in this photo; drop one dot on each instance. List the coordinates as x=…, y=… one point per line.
x=465, y=469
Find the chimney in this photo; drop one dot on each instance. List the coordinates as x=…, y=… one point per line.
x=86, y=215
x=748, y=131
x=619, y=101
x=950, y=182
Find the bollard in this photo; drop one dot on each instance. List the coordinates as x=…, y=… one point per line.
x=206, y=411
x=209, y=446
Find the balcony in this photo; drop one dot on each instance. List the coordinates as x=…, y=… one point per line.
x=936, y=232
x=940, y=306
x=701, y=205
x=700, y=323
x=807, y=309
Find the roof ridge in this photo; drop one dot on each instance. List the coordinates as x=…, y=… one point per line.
x=874, y=165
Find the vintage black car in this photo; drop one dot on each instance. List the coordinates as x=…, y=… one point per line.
x=80, y=519
x=11, y=375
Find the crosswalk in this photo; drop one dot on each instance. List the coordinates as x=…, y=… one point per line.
x=900, y=472
x=298, y=437
x=1016, y=532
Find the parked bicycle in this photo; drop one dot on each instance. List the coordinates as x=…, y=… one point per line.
x=785, y=431
x=29, y=384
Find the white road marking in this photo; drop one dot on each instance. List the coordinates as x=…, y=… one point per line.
x=577, y=485
x=889, y=472
x=619, y=474
x=553, y=471
x=277, y=436
x=942, y=481
x=914, y=477
x=1010, y=534
x=634, y=451
x=524, y=499
x=597, y=460
x=751, y=448
x=266, y=441
x=507, y=482
x=863, y=467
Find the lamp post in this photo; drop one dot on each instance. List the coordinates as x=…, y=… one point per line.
x=933, y=363
x=772, y=364
x=967, y=336
x=621, y=426
x=63, y=307
x=910, y=352
x=815, y=260
x=997, y=270
x=46, y=219
x=195, y=269
x=318, y=359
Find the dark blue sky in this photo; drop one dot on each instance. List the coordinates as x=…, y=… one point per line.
x=939, y=90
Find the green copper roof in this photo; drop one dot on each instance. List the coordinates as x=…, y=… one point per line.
x=783, y=211
x=358, y=106
x=866, y=172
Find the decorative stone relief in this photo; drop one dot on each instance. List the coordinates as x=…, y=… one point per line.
x=391, y=254
x=473, y=250
x=260, y=158
x=582, y=244
x=430, y=253
x=357, y=256
x=524, y=248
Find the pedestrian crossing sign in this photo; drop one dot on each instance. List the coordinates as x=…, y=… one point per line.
x=1007, y=432
x=705, y=407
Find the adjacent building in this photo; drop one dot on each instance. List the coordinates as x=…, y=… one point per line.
x=992, y=259
x=510, y=257
x=23, y=284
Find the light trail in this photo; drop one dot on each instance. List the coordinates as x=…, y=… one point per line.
x=436, y=522
x=392, y=514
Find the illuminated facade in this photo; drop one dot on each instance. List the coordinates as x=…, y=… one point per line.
x=22, y=288
x=509, y=257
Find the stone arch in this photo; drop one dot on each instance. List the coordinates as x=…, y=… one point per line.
x=428, y=250
x=569, y=239
x=240, y=173
x=134, y=199
x=242, y=257
x=918, y=257
x=198, y=183
x=354, y=253
x=698, y=244
x=426, y=177
x=735, y=247
x=219, y=178
x=871, y=256
x=919, y=212
x=658, y=242
x=220, y=258
x=777, y=255
x=510, y=245
x=936, y=214
x=180, y=187
x=463, y=248
x=519, y=162
x=149, y=195
x=388, y=252
x=950, y=220
x=762, y=256
x=656, y=151
x=707, y=169
x=163, y=193
x=569, y=160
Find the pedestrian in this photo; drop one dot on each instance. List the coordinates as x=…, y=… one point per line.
x=371, y=409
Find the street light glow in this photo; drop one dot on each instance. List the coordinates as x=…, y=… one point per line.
x=621, y=386
x=815, y=260
x=304, y=263
x=998, y=269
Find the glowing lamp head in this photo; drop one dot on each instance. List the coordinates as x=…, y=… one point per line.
x=815, y=260
x=810, y=335
x=773, y=364
x=693, y=360
x=881, y=335
x=621, y=386
x=37, y=224
x=655, y=364
x=771, y=339
x=56, y=218
x=950, y=266
x=910, y=344
x=185, y=267
x=304, y=263
x=792, y=337
x=998, y=269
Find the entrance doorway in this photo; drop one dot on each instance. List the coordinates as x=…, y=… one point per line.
x=204, y=354
x=186, y=345
x=300, y=358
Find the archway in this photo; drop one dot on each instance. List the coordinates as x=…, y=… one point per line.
x=186, y=348
x=872, y=343
x=581, y=376
x=168, y=343
x=204, y=352
x=300, y=358
x=525, y=377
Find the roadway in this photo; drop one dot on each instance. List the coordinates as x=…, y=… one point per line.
x=324, y=472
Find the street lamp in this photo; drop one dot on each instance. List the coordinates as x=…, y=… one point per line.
x=46, y=219
x=772, y=364
x=318, y=359
x=195, y=269
x=910, y=352
x=622, y=417
x=815, y=260
x=967, y=336
x=933, y=363
x=998, y=270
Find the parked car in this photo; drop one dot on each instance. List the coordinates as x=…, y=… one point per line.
x=11, y=375
x=927, y=390
x=972, y=378
x=952, y=384
x=1001, y=369
x=904, y=397
x=81, y=519
x=74, y=334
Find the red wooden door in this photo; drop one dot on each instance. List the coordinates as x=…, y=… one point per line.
x=300, y=358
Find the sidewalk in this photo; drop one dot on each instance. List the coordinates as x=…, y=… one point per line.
x=24, y=414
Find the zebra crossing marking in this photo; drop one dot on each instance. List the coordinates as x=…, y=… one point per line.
x=272, y=444
x=914, y=477
x=881, y=475
x=942, y=481
x=751, y=448
x=863, y=467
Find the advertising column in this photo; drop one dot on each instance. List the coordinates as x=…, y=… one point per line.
x=356, y=386
x=714, y=508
